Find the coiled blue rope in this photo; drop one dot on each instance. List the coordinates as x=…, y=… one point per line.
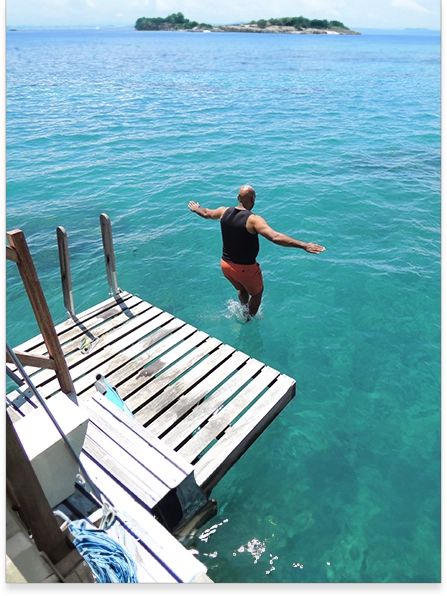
x=108, y=560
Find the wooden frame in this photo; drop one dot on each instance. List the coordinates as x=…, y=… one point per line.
x=18, y=252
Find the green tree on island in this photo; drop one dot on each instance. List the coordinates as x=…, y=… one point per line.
x=299, y=23
x=175, y=21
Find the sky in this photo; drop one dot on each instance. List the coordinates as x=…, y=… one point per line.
x=381, y=14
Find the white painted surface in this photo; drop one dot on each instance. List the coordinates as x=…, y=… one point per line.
x=52, y=461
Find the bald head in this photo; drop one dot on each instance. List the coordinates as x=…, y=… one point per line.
x=247, y=196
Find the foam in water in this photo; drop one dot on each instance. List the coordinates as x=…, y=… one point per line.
x=239, y=312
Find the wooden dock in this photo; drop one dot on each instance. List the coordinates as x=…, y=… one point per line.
x=196, y=406
x=202, y=398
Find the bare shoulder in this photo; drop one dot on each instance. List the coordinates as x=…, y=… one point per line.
x=255, y=222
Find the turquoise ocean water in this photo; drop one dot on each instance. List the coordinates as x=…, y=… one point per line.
x=340, y=137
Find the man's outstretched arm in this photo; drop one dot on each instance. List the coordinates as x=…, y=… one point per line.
x=206, y=213
x=259, y=225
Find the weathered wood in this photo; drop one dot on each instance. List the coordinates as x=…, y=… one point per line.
x=189, y=390
x=64, y=263
x=216, y=462
x=41, y=311
x=208, y=407
x=218, y=423
x=27, y=494
x=32, y=360
x=71, y=351
x=117, y=363
x=138, y=429
x=143, y=451
x=140, y=462
x=174, y=391
x=123, y=468
x=158, y=384
x=142, y=373
x=200, y=391
x=103, y=308
x=174, y=561
x=11, y=254
x=99, y=355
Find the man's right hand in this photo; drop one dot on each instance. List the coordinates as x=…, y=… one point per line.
x=193, y=206
x=206, y=213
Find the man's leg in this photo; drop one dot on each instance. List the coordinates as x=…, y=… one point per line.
x=243, y=295
x=254, y=304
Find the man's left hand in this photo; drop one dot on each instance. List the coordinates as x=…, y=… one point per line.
x=314, y=248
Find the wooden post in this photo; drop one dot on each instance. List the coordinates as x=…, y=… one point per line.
x=42, y=313
x=64, y=261
x=109, y=254
x=28, y=497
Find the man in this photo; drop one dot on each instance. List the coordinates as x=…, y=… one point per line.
x=240, y=228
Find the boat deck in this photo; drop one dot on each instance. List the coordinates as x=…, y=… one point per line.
x=200, y=397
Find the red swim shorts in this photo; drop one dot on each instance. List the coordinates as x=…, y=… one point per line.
x=248, y=277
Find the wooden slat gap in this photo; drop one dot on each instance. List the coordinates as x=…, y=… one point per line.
x=69, y=332
x=151, y=377
x=164, y=370
x=104, y=346
x=171, y=405
x=196, y=460
x=202, y=399
x=208, y=373
x=246, y=409
x=163, y=389
x=68, y=324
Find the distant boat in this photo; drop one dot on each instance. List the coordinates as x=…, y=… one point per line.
x=96, y=27
x=206, y=31
x=13, y=29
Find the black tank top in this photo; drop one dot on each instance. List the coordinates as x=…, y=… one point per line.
x=239, y=246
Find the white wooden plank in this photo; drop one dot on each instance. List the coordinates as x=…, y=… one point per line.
x=177, y=389
x=157, y=357
x=172, y=556
x=203, y=411
x=178, y=559
x=122, y=366
x=102, y=324
x=178, y=410
x=216, y=462
x=114, y=333
x=161, y=382
x=37, y=340
x=218, y=423
x=115, y=368
x=99, y=355
x=73, y=355
x=147, y=567
x=42, y=377
x=154, y=461
x=154, y=441
x=123, y=467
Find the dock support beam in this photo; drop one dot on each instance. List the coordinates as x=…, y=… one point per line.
x=109, y=255
x=39, y=305
x=64, y=261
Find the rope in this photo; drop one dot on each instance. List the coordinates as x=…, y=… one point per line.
x=108, y=560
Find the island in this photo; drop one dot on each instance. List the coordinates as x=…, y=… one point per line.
x=290, y=25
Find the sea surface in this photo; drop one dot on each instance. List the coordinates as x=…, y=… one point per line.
x=340, y=137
